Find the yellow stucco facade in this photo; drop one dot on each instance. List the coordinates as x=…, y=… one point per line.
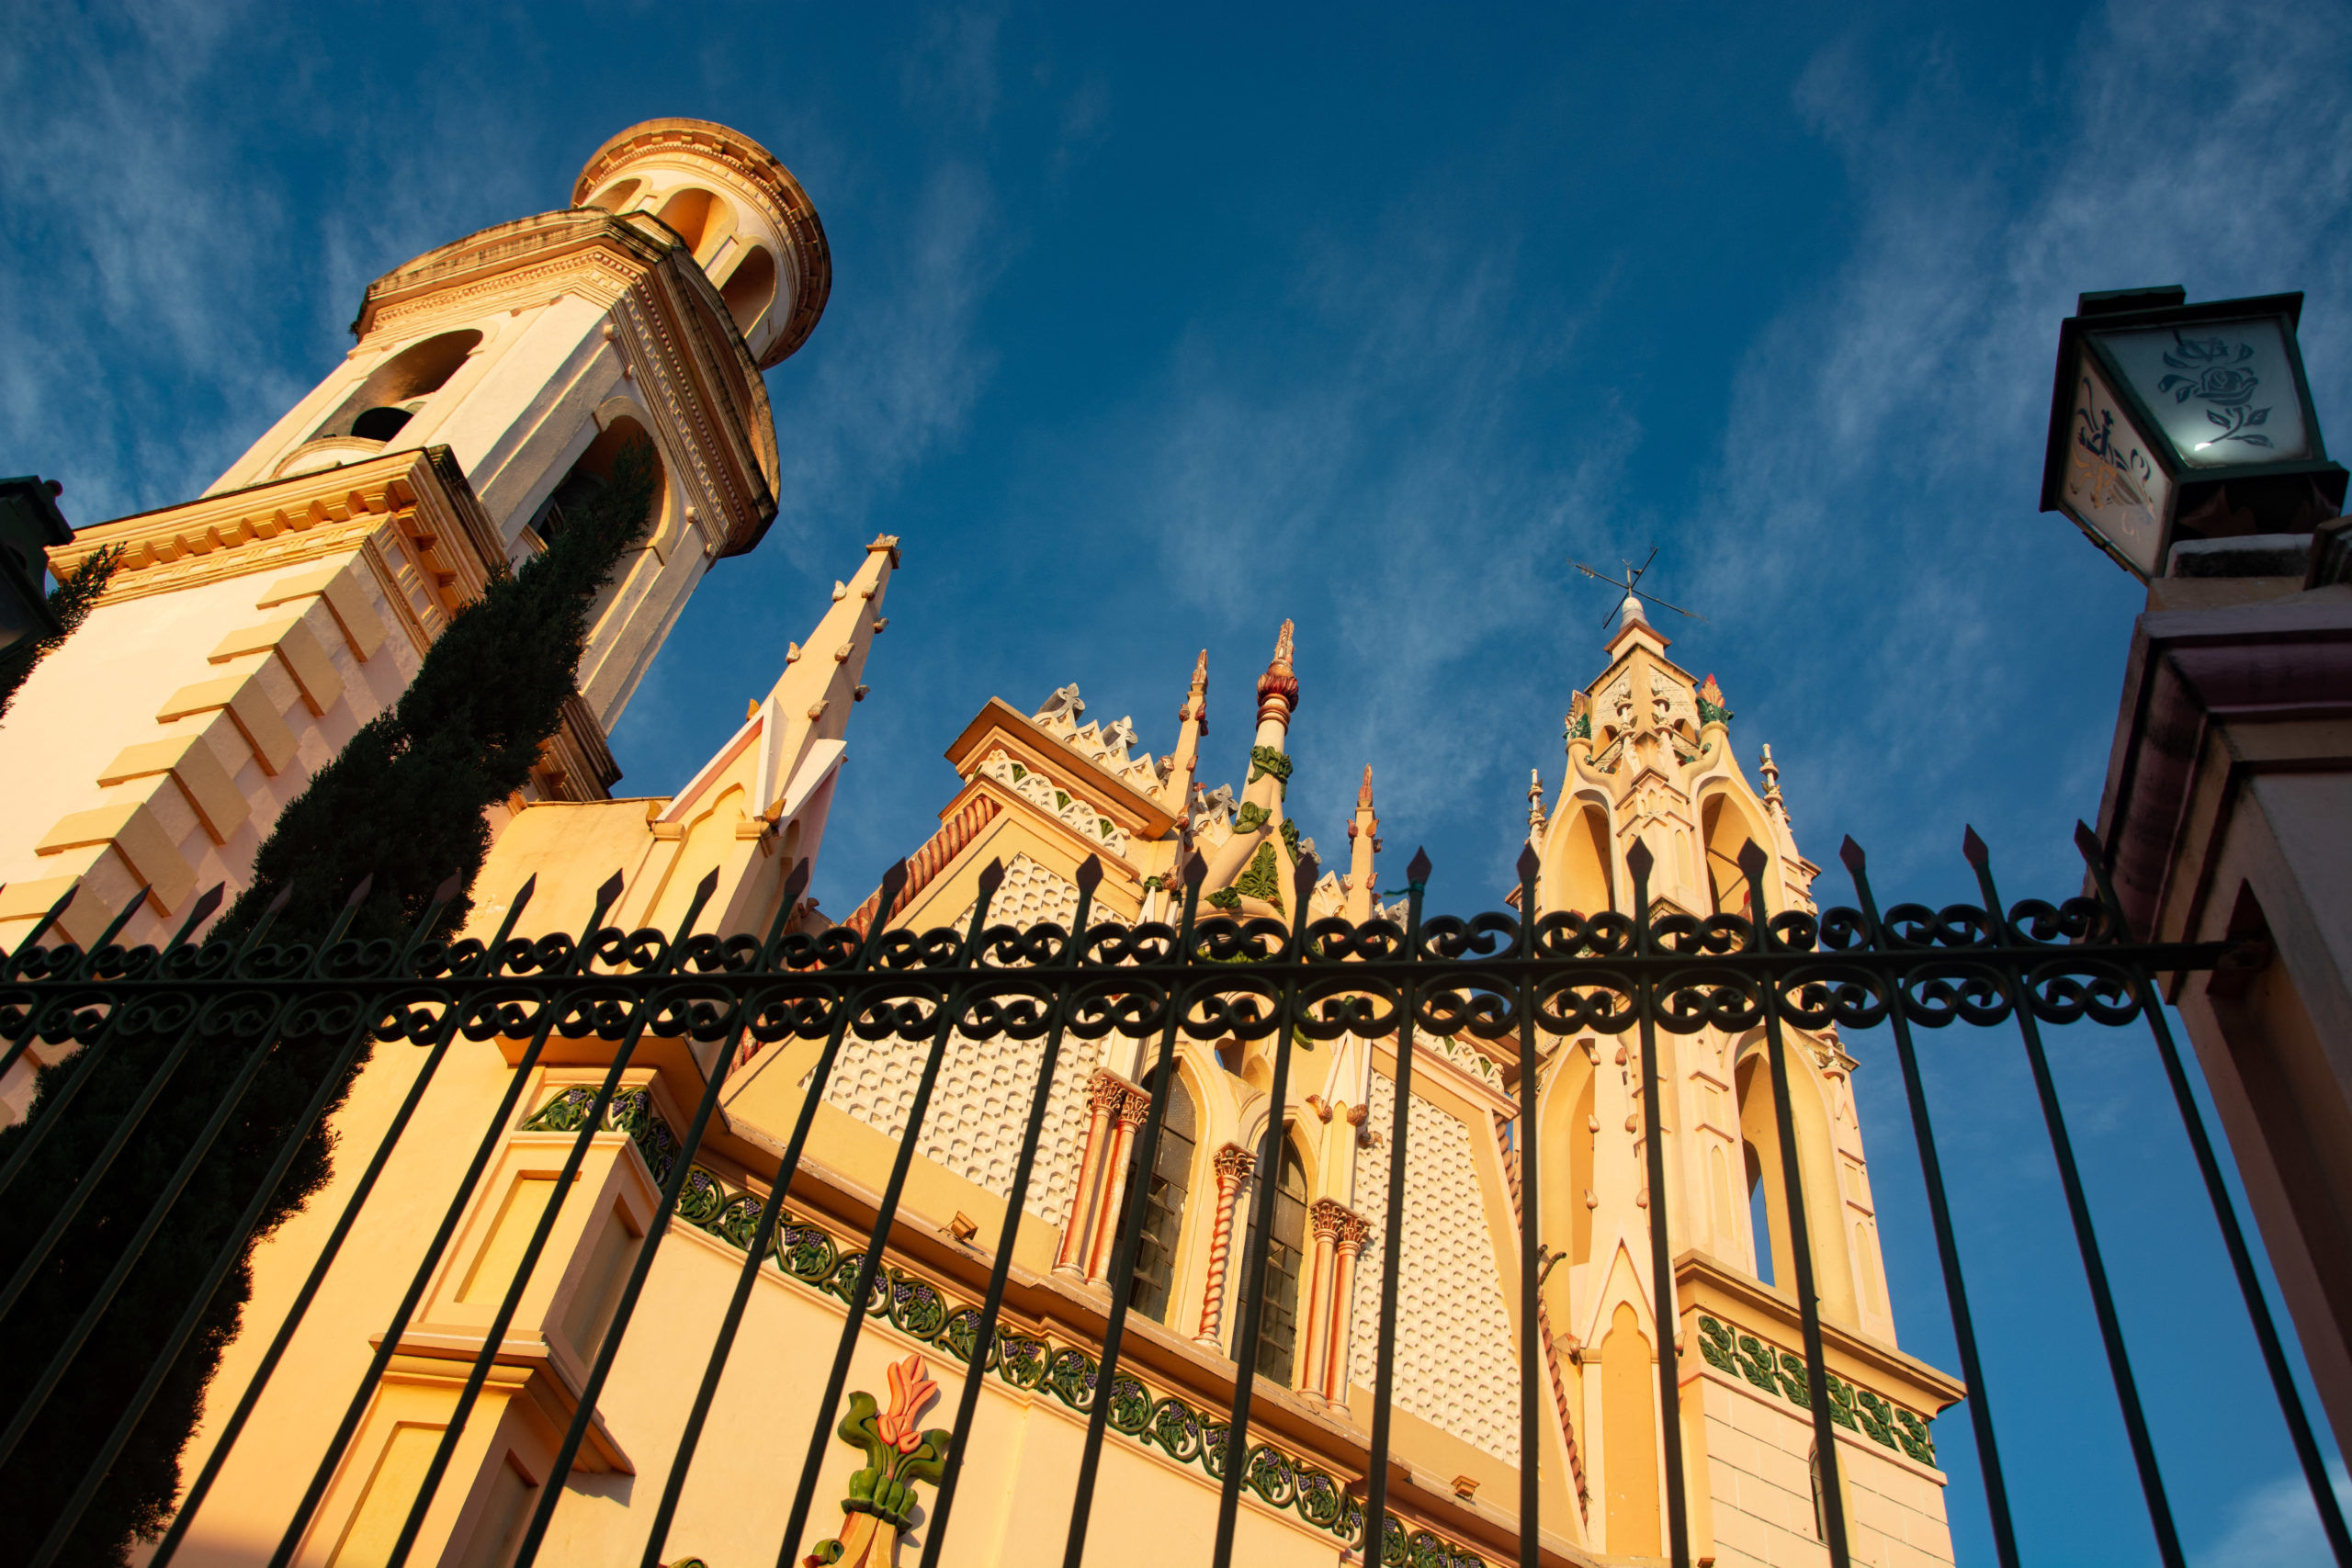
x=252, y=630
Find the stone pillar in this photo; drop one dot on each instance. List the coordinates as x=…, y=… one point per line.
x=1334, y=1369
x=1233, y=1163
x=1134, y=1105
x=1105, y=1092
x=1325, y=1219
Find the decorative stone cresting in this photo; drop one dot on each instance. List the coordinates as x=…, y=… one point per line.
x=1057, y=803
x=1104, y=746
x=1454, y=1363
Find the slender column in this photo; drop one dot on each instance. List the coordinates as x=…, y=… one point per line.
x=1326, y=1219
x=1105, y=1094
x=1333, y=1373
x=1133, y=1106
x=1233, y=1163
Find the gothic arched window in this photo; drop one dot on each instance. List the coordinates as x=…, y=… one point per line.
x=1163, y=1216
x=1285, y=1252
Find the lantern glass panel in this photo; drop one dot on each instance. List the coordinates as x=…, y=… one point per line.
x=2111, y=485
x=2224, y=392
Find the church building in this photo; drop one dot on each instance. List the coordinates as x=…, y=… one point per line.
x=248, y=633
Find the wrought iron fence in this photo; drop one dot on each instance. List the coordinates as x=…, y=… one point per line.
x=1493, y=977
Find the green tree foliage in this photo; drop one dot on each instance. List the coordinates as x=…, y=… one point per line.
x=71, y=601
x=404, y=802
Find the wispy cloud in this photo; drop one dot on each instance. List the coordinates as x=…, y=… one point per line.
x=1880, y=470
x=2276, y=1526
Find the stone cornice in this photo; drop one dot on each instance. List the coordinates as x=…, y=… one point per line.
x=755, y=172
x=283, y=522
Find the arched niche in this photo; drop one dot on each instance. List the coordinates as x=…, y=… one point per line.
x=592, y=470
x=1582, y=873
x=1833, y=1267
x=1565, y=1168
x=749, y=289
x=395, y=390
x=701, y=218
x=616, y=198
x=1726, y=826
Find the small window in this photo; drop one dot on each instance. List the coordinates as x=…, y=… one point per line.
x=1286, y=1253
x=1163, y=1219
x=379, y=424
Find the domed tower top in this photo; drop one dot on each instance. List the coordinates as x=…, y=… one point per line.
x=751, y=227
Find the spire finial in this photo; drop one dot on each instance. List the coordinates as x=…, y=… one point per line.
x=1278, y=687
x=1364, y=795
x=1534, y=801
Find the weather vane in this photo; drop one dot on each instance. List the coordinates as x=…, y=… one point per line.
x=1628, y=585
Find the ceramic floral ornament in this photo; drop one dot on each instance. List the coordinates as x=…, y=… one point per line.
x=881, y=1500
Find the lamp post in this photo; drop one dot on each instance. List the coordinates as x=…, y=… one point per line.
x=29, y=521
x=2170, y=421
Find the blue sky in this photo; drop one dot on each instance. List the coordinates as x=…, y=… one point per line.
x=1144, y=336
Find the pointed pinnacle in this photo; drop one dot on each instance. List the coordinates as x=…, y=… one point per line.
x=796, y=882
x=1529, y=861
x=1973, y=848
x=208, y=903
x=991, y=878
x=1089, y=874
x=1752, y=862
x=1419, y=871
x=1638, y=859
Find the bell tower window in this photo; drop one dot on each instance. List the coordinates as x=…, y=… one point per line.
x=1163, y=1218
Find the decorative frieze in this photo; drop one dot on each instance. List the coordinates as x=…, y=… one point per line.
x=1782, y=1372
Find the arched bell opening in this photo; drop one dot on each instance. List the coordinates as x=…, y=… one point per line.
x=393, y=393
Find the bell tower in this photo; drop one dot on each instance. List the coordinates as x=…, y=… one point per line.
x=1650, y=762
x=248, y=633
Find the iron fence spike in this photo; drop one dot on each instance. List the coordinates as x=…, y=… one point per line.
x=1528, y=862
x=991, y=878
x=523, y=894
x=277, y=905
x=1419, y=871
x=1089, y=874
x=1973, y=848
x=796, y=882
x=709, y=885
x=1752, y=863
x=1851, y=853
x=1196, y=871
x=1304, y=877
x=2087, y=840
x=449, y=889
x=892, y=881
x=206, y=905
x=359, y=894
x=610, y=892
x=1638, y=859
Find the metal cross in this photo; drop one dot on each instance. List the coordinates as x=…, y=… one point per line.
x=1628, y=585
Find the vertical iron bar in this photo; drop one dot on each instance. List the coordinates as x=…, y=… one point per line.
x=681, y=1169
x=494, y=1337
x=1254, y=1243
x=40, y=928
x=389, y=1346
x=2078, y=1209
x=2266, y=1331
x=673, y=1487
x=1963, y=1326
x=1391, y=1244
x=1130, y=1231
x=1530, y=1233
x=1664, y=1317
x=1754, y=866
x=975, y=1367
x=869, y=1267
x=452, y=1019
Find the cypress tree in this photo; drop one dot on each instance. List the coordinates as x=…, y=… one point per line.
x=404, y=802
x=71, y=601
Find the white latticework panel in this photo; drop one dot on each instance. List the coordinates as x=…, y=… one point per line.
x=981, y=1105
x=1455, y=1364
